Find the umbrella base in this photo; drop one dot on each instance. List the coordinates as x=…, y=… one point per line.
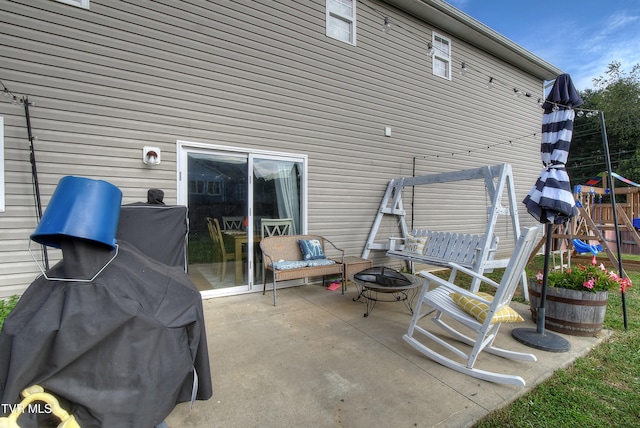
x=545, y=341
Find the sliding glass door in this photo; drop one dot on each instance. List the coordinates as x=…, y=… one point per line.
x=229, y=193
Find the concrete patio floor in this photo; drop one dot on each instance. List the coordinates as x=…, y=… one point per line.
x=315, y=361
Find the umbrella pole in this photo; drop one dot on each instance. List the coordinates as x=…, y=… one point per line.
x=538, y=338
x=545, y=278
x=605, y=142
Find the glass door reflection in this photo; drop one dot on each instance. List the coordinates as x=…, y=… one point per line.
x=218, y=210
x=277, y=194
x=228, y=195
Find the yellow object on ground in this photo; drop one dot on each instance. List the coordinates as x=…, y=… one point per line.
x=33, y=394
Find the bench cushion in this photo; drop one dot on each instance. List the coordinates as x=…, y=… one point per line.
x=479, y=309
x=298, y=264
x=320, y=262
x=286, y=265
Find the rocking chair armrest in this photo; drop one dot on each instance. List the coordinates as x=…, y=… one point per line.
x=456, y=267
x=452, y=287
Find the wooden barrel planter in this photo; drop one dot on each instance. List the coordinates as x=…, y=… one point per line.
x=578, y=313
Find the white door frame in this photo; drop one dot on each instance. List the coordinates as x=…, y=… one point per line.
x=183, y=147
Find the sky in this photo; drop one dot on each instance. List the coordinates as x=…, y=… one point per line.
x=580, y=37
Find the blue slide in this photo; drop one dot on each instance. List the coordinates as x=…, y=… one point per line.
x=582, y=247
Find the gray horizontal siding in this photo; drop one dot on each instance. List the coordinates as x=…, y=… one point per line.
x=256, y=75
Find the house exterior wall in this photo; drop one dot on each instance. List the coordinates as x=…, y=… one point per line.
x=260, y=74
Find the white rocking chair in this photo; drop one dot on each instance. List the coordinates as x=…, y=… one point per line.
x=440, y=301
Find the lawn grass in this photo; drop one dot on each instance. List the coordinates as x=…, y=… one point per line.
x=601, y=389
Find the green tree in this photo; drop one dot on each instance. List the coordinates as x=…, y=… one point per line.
x=617, y=95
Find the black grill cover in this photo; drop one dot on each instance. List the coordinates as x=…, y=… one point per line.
x=119, y=351
x=159, y=231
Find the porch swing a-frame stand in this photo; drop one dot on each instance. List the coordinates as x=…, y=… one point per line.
x=476, y=252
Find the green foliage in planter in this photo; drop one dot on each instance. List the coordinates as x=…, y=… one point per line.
x=6, y=306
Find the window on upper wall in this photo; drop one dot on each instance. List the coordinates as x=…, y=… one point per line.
x=79, y=3
x=341, y=20
x=441, y=56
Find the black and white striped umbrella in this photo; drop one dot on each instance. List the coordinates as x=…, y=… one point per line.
x=551, y=199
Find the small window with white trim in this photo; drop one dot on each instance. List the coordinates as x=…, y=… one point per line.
x=441, y=56
x=341, y=20
x=79, y=3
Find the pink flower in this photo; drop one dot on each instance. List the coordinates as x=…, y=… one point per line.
x=624, y=284
x=539, y=276
x=590, y=283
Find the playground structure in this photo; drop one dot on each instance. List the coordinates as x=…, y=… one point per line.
x=593, y=230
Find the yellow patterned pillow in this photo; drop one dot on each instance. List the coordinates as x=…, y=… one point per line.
x=415, y=244
x=479, y=309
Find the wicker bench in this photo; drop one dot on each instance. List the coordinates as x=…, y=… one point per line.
x=282, y=256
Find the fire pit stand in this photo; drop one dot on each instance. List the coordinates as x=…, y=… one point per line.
x=373, y=292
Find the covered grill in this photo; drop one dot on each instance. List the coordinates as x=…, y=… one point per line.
x=119, y=350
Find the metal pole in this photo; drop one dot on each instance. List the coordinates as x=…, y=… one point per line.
x=539, y=338
x=413, y=193
x=605, y=142
x=34, y=174
x=545, y=277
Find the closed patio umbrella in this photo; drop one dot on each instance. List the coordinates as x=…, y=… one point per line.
x=551, y=201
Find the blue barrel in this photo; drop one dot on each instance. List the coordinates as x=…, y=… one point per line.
x=80, y=208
